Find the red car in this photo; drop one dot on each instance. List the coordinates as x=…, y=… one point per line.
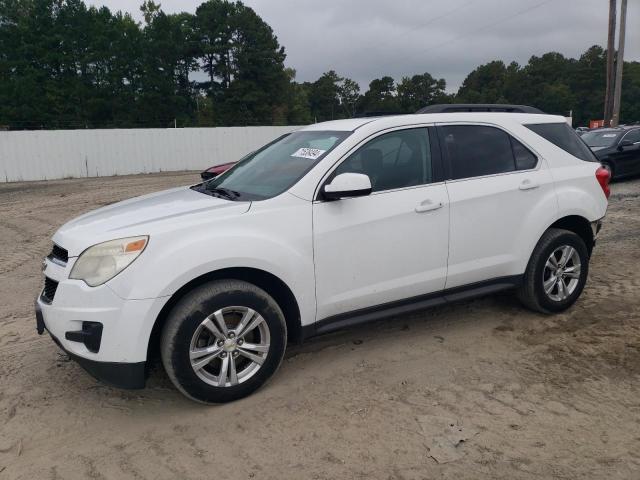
x=213, y=172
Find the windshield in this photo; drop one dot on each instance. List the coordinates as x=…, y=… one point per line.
x=274, y=168
x=600, y=139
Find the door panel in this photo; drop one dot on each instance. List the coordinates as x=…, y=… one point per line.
x=627, y=160
x=500, y=195
x=493, y=222
x=381, y=248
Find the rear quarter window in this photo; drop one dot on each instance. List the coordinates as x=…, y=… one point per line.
x=564, y=137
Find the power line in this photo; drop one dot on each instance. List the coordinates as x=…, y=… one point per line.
x=413, y=29
x=420, y=27
x=484, y=27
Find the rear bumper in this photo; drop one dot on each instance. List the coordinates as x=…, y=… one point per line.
x=117, y=374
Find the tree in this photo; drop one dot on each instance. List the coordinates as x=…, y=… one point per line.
x=61, y=70
x=381, y=97
x=324, y=97
x=244, y=61
x=587, y=83
x=630, y=110
x=349, y=94
x=214, y=24
x=66, y=65
x=421, y=90
x=485, y=84
x=297, y=109
x=167, y=60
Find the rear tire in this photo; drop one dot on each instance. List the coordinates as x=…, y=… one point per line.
x=557, y=272
x=222, y=341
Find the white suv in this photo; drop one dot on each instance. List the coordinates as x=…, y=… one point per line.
x=336, y=224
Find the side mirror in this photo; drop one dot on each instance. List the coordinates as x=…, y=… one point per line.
x=347, y=185
x=624, y=144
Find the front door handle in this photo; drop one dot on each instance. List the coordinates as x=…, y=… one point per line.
x=428, y=206
x=528, y=185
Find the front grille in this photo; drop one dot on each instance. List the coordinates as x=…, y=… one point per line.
x=59, y=253
x=49, y=290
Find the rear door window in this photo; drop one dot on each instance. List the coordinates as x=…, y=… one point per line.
x=478, y=150
x=563, y=136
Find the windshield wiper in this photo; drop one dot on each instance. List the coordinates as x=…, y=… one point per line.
x=224, y=192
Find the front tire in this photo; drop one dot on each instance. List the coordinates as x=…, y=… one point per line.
x=222, y=341
x=557, y=272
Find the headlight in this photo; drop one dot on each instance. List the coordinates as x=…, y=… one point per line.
x=100, y=263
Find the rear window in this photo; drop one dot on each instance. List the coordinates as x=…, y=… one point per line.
x=603, y=138
x=563, y=136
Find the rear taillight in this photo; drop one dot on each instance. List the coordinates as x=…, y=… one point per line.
x=604, y=176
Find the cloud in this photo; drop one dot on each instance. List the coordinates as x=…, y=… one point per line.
x=367, y=39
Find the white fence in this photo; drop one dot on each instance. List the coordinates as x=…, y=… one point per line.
x=47, y=155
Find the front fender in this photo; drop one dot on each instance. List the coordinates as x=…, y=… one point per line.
x=275, y=240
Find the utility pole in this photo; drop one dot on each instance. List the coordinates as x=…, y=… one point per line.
x=611, y=40
x=617, y=94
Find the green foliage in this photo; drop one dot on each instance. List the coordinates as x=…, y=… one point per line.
x=381, y=97
x=66, y=65
x=555, y=84
x=421, y=90
x=324, y=97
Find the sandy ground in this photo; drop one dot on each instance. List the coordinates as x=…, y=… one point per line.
x=528, y=396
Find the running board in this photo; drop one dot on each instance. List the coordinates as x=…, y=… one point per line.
x=410, y=305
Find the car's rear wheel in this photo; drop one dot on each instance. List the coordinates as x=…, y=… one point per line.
x=223, y=340
x=556, y=273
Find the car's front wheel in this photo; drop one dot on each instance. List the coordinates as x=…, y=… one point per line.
x=223, y=340
x=556, y=273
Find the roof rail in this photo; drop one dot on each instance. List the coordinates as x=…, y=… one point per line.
x=378, y=114
x=478, y=107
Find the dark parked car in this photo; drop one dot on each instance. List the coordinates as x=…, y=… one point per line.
x=618, y=149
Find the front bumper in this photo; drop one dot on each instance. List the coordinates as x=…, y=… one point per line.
x=106, y=334
x=121, y=375
x=129, y=375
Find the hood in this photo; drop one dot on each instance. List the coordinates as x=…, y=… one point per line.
x=145, y=215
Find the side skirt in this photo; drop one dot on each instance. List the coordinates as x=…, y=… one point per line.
x=402, y=307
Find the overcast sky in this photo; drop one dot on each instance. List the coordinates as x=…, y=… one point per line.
x=367, y=39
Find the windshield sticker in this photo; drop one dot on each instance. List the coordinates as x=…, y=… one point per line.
x=609, y=135
x=310, y=153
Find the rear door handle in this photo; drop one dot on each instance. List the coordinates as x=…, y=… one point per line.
x=428, y=206
x=528, y=185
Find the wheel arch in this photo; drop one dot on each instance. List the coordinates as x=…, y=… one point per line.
x=269, y=282
x=578, y=225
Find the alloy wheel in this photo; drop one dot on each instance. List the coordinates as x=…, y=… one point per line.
x=229, y=346
x=561, y=274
